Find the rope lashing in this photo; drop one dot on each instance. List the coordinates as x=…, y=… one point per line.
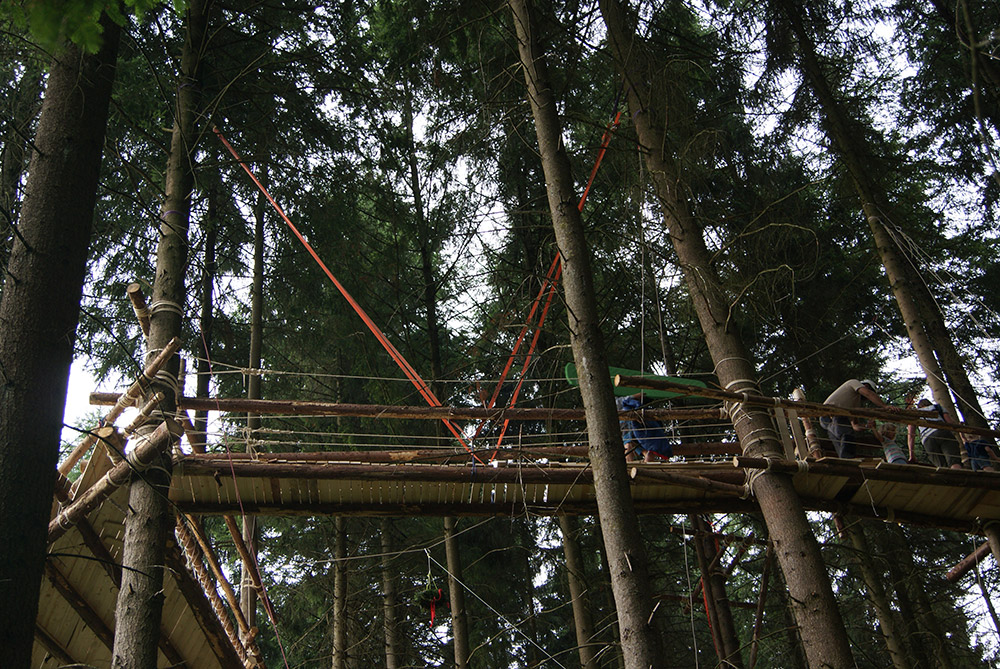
x=166, y=305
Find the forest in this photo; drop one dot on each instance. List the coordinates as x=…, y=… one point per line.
x=376, y=202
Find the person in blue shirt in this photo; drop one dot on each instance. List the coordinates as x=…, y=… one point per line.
x=644, y=437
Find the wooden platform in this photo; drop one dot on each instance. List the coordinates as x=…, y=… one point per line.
x=78, y=597
x=312, y=484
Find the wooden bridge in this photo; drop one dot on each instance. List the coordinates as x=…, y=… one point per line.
x=79, y=594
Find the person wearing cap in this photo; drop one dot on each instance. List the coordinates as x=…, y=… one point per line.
x=643, y=438
x=940, y=446
x=846, y=433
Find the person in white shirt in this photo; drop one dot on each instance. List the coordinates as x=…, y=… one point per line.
x=846, y=433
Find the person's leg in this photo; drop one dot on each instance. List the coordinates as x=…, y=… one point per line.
x=948, y=445
x=839, y=429
x=932, y=449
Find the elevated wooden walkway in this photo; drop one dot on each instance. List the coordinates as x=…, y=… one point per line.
x=323, y=483
x=79, y=595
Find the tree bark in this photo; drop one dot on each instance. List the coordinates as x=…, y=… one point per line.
x=340, y=595
x=25, y=104
x=626, y=554
x=854, y=531
x=248, y=593
x=582, y=620
x=39, y=309
x=390, y=599
x=713, y=583
x=823, y=634
x=203, y=348
x=456, y=591
x=140, y=599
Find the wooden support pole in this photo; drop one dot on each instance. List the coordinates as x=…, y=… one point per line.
x=895, y=415
x=191, y=530
x=87, y=614
x=140, y=457
x=122, y=402
x=812, y=439
x=967, y=563
x=457, y=455
x=249, y=564
x=92, y=618
x=135, y=296
x=143, y=415
x=194, y=561
x=689, y=481
x=389, y=412
x=201, y=609
x=114, y=442
x=53, y=648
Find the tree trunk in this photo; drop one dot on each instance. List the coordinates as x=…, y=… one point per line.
x=925, y=325
x=713, y=583
x=390, y=603
x=204, y=347
x=14, y=152
x=248, y=594
x=456, y=591
x=626, y=554
x=852, y=528
x=529, y=621
x=140, y=600
x=823, y=635
x=340, y=595
x=583, y=621
x=39, y=309
x=910, y=579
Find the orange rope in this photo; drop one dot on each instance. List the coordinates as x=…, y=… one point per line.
x=550, y=285
x=547, y=284
x=411, y=373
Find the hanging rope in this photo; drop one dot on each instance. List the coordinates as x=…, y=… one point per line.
x=411, y=373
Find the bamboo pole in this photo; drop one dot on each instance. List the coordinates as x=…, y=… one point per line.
x=142, y=313
x=123, y=401
x=895, y=415
x=298, y=407
x=141, y=456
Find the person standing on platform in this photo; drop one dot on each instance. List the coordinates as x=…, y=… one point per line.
x=940, y=446
x=644, y=437
x=847, y=433
x=982, y=452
